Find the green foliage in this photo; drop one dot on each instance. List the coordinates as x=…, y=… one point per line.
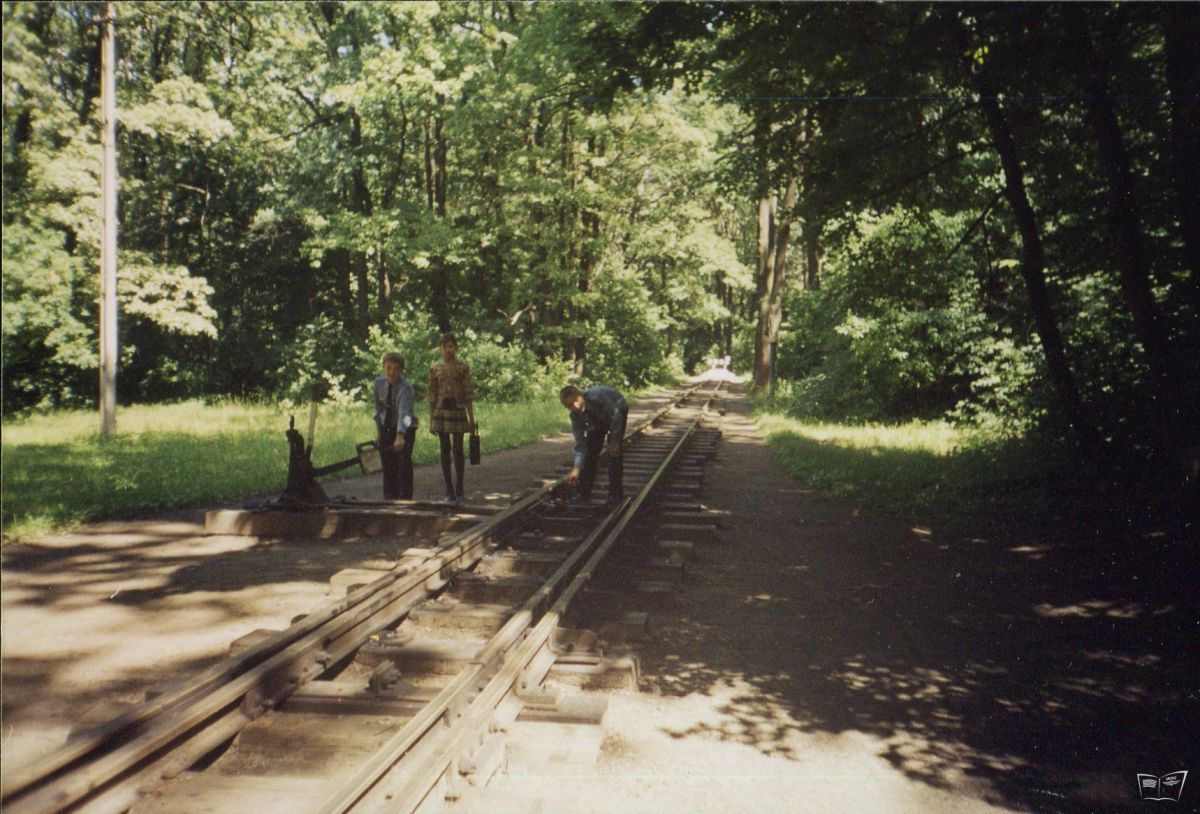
x=413, y=335
x=51, y=209
x=47, y=341
x=167, y=296
x=506, y=372
x=1005, y=386
x=179, y=110
x=627, y=347
x=993, y=114
x=303, y=185
x=322, y=356
x=900, y=329
x=573, y=188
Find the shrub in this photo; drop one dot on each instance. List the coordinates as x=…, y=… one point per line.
x=899, y=330
x=343, y=372
x=323, y=356
x=507, y=373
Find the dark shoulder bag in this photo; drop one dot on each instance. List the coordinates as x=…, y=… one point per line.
x=475, y=452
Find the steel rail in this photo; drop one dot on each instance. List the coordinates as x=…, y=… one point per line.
x=200, y=707
x=527, y=644
x=498, y=666
x=267, y=683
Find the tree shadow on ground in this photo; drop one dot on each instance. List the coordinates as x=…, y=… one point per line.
x=1053, y=667
x=159, y=580
x=156, y=565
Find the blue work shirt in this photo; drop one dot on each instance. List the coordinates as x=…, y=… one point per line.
x=604, y=410
x=403, y=397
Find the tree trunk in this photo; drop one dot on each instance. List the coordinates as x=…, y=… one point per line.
x=440, y=157
x=762, y=291
x=730, y=306
x=487, y=285
x=587, y=265
x=387, y=195
x=91, y=81
x=1181, y=32
x=783, y=233
x=774, y=234
x=775, y=227
x=361, y=192
x=384, y=284
x=338, y=260
x=567, y=216
x=812, y=258
x=762, y=266
x=1166, y=383
x=539, y=124
x=718, y=327
x=1033, y=265
x=440, y=304
x=428, y=144
x=362, y=300
x=566, y=210
x=362, y=205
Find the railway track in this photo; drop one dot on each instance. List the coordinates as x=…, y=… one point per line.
x=396, y=696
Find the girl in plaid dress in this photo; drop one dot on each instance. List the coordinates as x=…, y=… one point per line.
x=451, y=411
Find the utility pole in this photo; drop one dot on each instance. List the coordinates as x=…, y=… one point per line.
x=108, y=224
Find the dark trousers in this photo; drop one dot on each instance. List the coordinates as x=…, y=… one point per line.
x=397, y=466
x=616, y=463
x=448, y=441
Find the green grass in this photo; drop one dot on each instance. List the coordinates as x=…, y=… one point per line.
x=924, y=472
x=57, y=471
x=976, y=484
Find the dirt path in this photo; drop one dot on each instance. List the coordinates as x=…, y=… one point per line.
x=740, y=707
x=827, y=662
x=815, y=661
x=823, y=661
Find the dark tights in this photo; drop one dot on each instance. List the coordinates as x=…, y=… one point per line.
x=454, y=488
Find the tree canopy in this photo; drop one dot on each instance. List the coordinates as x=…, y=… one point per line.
x=983, y=211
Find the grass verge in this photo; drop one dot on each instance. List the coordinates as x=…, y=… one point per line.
x=971, y=482
x=57, y=471
x=930, y=473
